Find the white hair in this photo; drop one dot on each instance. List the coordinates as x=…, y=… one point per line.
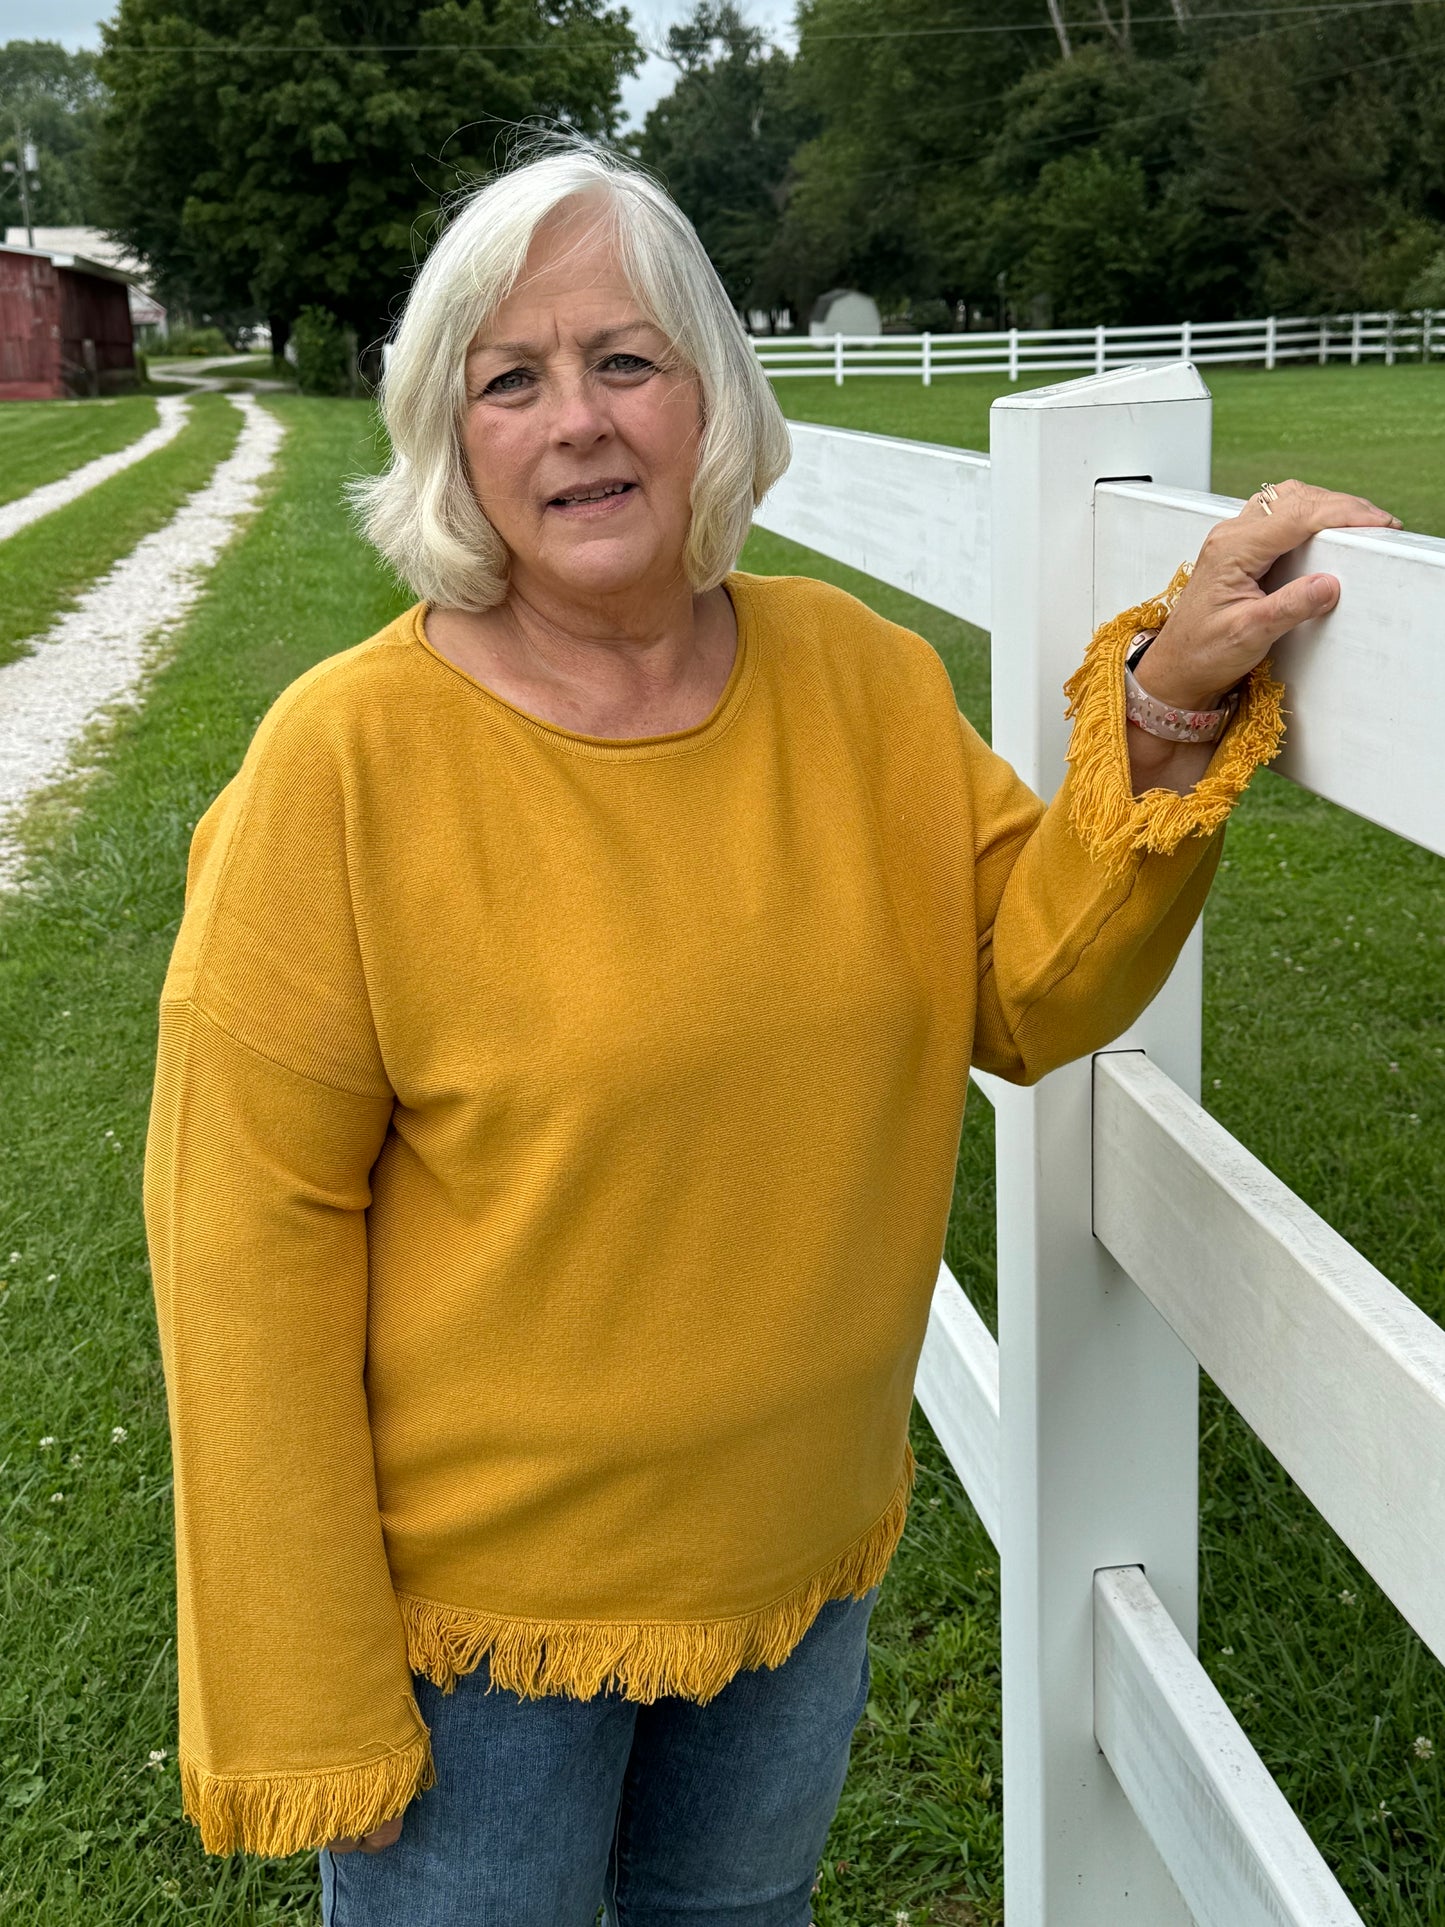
x=421, y=511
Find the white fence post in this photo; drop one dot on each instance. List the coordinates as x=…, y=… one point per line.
x=1186, y=340
x=1324, y=341
x=1390, y=339
x=1270, y=341
x=1013, y=354
x=1098, y=1399
x=1355, y=343
x=838, y=360
x=1425, y=320
x=927, y=360
x=1101, y=350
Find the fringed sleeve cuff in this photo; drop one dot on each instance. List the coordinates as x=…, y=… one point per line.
x=276, y=1814
x=1114, y=824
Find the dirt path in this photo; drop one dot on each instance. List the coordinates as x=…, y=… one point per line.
x=54, y=495
x=218, y=375
x=99, y=654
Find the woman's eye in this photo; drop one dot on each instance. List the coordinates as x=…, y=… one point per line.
x=636, y=363
x=502, y=384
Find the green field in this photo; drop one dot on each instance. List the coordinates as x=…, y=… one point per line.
x=42, y=440
x=1325, y=945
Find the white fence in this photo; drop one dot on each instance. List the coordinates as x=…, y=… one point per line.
x=1136, y=1237
x=1416, y=336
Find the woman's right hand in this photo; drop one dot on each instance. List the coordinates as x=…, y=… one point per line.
x=383, y=1836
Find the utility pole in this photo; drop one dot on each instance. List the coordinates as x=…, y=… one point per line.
x=1056, y=14
x=25, y=159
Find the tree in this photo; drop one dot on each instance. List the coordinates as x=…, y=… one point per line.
x=1120, y=163
x=906, y=100
x=722, y=141
x=265, y=159
x=52, y=100
x=1090, y=195
x=1316, y=149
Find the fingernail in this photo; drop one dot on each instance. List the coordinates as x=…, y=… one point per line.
x=1321, y=589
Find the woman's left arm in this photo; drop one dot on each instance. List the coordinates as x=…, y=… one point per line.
x=1081, y=908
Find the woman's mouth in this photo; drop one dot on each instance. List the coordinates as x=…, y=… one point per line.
x=593, y=499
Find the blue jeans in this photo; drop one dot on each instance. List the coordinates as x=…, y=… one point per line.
x=664, y=1815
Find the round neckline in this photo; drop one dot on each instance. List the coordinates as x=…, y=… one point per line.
x=675, y=742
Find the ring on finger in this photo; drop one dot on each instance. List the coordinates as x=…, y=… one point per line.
x=1267, y=494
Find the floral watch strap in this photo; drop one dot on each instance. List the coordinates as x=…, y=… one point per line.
x=1146, y=712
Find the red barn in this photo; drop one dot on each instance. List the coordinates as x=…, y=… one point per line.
x=64, y=326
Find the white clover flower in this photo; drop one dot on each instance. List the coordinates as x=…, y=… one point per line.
x=1424, y=1747
x=157, y=1758
x=57, y=1498
x=1347, y=1598
x=118, y=1435
x=75, y=1458
x=46, y=1442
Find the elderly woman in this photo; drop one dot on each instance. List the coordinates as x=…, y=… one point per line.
x=561, y=1071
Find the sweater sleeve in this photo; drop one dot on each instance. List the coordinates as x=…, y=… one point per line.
x=297, y=1719
x=1083, y=906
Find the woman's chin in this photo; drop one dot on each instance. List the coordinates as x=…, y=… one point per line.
x=608, y=569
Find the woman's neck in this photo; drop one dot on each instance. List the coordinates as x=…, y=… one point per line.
x=602, y=672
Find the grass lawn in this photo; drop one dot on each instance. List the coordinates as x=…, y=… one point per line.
x=42, y=440
x=47, y=565
x=1325, y=1054
x=1375, y=431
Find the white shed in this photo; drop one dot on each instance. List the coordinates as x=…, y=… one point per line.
x=844, y=311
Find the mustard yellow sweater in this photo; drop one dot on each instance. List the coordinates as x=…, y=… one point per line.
x=550, y=1156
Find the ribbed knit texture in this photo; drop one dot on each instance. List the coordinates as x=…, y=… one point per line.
x=550, y=1157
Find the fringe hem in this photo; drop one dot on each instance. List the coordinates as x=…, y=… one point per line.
x=645, y=1659
x=284, y=1813
x=1111, y=822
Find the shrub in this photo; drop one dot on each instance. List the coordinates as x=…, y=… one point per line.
x=933, y=317
x=1428, y=290
x=195, y=341
x=323, y=353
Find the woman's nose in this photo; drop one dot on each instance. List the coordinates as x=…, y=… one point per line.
x=580, y=417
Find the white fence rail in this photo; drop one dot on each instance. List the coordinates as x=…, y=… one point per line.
x=1416, y=335
x=1136, y=1237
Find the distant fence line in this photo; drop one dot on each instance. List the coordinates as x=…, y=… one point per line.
x=1416, y=336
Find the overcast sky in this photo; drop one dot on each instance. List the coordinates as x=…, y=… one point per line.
x=75, y=23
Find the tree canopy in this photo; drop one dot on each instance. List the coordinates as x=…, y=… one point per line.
x=1069, y=162
x=50, y=99
x=1073, y=161
x=265, y=158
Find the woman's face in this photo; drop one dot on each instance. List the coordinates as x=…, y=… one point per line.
x=571, y=390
